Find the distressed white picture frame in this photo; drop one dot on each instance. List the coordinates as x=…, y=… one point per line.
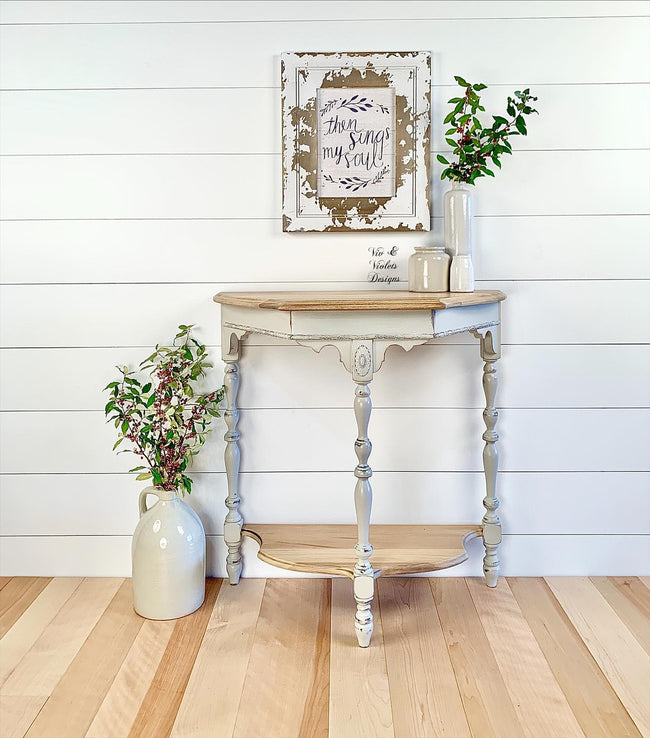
x=308, y=205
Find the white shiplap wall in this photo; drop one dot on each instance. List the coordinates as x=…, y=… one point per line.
x=140, y=174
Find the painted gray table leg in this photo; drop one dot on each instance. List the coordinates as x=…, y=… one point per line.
x=490, y=353
x=234, y=521
x=364, y=582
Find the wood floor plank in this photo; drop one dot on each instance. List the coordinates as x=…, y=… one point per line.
x=157, y=713
x=17, y=714
x=537, y=698
x=120, y=706
x=4, y=581
x=285, y=692
x=488, y=706
x=631, y=602
x=615, y=649
x=76, y=698
x=225, y=650
x=592, y=699
x=424, y=694
x=359, y=688
x=645, y=581
x=26, y=630
x=45, y=663
x=16, y=596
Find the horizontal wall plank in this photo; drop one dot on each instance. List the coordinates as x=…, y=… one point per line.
x=193, y=121
x=106, y=504
x=144, y=11
x=533, y=247
x=195, y=54
x=521, y=556
x=575, y=312
x=185, y=186
x=315, y=440
x=39, y=379
x=535, y=312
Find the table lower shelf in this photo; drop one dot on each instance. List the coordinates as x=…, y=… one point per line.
x=329, y=549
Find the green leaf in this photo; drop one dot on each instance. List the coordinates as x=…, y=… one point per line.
x=480, y=87
x=449, y=117
x=521, y=125
x=451, y=142
x=442, y=159
x=142, y=477
x=151, y=400
x=125, y=426
x=460, y=81
x=146, y=388
x=488, y=171
x=109, y=406
x=157, y=479
x=137, y=468
x=110, y=385
x=117, y=443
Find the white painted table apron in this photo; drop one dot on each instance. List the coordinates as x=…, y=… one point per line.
x=361, y=325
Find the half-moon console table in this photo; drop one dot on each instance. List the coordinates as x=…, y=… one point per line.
x=361, y=325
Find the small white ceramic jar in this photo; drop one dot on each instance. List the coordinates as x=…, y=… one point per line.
x=429, y=269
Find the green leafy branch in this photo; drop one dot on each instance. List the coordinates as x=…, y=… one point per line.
x=475, y=145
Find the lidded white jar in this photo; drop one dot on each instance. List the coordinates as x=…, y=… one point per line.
x=429, y=269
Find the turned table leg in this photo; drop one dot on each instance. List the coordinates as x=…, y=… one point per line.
x=364, y=582
x=490, y=353
x=234, y=521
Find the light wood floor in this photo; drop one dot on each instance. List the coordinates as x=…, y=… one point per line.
x=277, y=658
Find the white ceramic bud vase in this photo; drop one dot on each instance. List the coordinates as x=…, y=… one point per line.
x=168, y=558
x=458, y=237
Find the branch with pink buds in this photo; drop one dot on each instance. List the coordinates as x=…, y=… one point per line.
x=159, y=413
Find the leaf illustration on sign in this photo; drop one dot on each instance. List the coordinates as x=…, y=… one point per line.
x=356, y=150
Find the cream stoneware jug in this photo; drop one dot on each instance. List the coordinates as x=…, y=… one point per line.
x=168, y=557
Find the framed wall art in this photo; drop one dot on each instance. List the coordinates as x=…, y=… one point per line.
x=356, y=141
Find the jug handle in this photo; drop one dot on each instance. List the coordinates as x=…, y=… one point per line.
x=142, y=501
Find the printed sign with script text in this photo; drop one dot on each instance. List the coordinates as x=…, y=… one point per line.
x=356, y=142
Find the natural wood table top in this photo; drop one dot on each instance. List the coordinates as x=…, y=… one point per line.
x=357, y=299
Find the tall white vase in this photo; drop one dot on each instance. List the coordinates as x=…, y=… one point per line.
x=458, y=237
x=168, y=558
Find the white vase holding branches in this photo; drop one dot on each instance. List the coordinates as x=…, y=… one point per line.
x=458, y=237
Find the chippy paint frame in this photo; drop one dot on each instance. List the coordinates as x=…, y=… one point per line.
x=409, y=73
